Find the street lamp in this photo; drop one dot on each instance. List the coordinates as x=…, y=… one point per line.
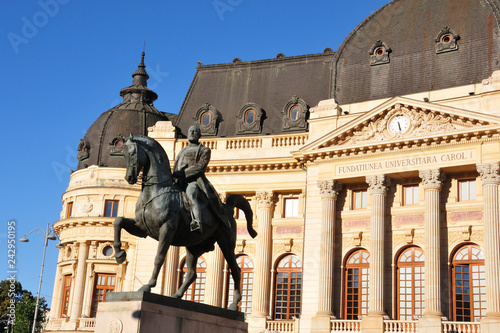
x=49, y=234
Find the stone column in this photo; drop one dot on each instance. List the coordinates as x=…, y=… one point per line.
x=79, y=288
x=215, y=278
x=329, y=190
x=57, y=293
x=171, y=274
x=432, y=181
x=129, y=273
x=378, y=191
x=374, y=321
x=490, y=178
x=431, y=320
x=262, y=275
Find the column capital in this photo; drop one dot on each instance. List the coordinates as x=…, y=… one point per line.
x=329, y=189
x=265, y=199
x=378, y=184
x=432, y=179
x=489, y=173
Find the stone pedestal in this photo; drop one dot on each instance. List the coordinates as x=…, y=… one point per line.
x=372, y=324
x=140, y=312
x=430, y=324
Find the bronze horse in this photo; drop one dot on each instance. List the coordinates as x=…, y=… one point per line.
x=159, y=214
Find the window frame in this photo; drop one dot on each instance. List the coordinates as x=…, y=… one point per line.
x=468, y=196
x=114, y=207
x=411, y=265
x=361, y=191
x=295, y=206
x=254, y=115
x=69, y=209
x=361, y=308
x=470, y=263
x=245, y=263
x=194, y=293
x=66, y=294
x=202, y=117
x=297, y=286
x=106, y=289
x=413, y=194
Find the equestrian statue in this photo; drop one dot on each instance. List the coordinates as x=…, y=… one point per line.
x=180, y=209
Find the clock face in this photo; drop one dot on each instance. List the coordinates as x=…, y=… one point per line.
x=399, y=124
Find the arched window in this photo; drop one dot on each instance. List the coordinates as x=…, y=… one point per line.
x=288, y=288
x=195, y=292
x=246, y=284
x=295, y=112
x=469, y=287
x=411, y=283
x=357, y=271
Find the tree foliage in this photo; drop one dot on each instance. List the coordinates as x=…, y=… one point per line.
x=13, y=295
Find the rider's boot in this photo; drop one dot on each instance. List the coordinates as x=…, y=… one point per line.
x=195, y=225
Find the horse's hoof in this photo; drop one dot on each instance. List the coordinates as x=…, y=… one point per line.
x=233, y=307
x=145, y=288
x=177, y=295
x=120, y=256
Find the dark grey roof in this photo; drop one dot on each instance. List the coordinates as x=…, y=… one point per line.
x=409, y=28
x=133, y=116
x=270, y=84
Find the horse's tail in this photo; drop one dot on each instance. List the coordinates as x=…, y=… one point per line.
x=238, y=201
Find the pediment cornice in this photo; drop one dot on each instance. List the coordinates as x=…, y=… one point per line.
x=425, y=124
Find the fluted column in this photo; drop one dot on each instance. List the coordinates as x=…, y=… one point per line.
x=78, y=290
x=490, y=178
x=262, y=277
x=172, y=264
x=55, y=309
x=432, y=181
x=329, y=190
x=213, y=293
x=378, y=191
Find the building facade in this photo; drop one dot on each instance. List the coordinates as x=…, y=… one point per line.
x=372, y=171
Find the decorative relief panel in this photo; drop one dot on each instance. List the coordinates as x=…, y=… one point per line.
x=405, y=121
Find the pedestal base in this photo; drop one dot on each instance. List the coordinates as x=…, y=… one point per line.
x=372, y=324
x=321, y=324
x=490, y=324
x=430, y=324
x=138, y=312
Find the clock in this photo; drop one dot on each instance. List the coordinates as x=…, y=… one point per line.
x=399, y=124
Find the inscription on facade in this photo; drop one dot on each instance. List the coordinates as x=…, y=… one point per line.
x=413, y=162
x=409, y=219
x=357, y=223
x=466, y=216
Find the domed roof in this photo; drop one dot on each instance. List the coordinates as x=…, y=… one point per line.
x=103, y=141
x=411, y=46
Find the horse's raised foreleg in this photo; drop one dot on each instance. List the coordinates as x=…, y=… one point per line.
x=226, y=243
x=191, y=261
x=130, y=226
x=164, y=240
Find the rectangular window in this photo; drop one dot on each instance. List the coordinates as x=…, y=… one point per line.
x=65, y=298
x=291, y=207
x=410, y=195
x=69, y=209
x=467, y=190
x=359, y=199
x=111, y=208
x=104, y=284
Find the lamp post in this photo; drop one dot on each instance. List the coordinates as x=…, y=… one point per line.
x=49, y=234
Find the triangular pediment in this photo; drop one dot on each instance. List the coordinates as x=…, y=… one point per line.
x=402, y=120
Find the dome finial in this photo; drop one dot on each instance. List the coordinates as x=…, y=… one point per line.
x=140, y=75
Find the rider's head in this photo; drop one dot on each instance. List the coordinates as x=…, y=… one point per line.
x=194, y=134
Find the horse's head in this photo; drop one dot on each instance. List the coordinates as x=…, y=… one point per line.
x=135, y=158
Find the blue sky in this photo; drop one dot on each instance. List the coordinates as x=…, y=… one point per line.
x=65, y=61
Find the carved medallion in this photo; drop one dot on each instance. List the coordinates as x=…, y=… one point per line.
x=115, y=326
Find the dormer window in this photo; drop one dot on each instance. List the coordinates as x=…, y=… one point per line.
x=294, y=115
x=207, y=117
x=379, y=53
x=446, y=40
x=250, y=119
x=117, y=146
